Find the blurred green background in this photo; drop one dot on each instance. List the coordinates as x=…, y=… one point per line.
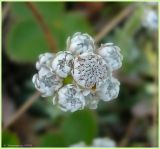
x=131, y=117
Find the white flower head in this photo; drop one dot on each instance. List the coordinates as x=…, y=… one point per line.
x=80, y=43
x=45, y=59
x=46, y=81
x=109, y=90
x=103, y=142
x=150, y=19
x=62, y=64
x=70, y=98
x=111, y=55
x=90, y=70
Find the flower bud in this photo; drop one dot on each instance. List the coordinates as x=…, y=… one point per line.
x=80, y=43
x=62, y=64
x=109, y=90
x=150, y=19
x=46, y=81
x=45, y=59
x=70, y=98
x=111, y=55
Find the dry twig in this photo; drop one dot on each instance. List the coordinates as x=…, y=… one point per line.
x=5, y=11
x=22, y=109
x=109, y=26
x=129, y=131
x=43, y=25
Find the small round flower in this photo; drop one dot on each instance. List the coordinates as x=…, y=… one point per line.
x=70, y=98
x=62, y=64
x=109, y=90
x=103, y=142
x=90, y=70
x=92, y=101
x=45, y=59
x=111, y=55
x=46, y=81
x=80, y=43
x=150, y=19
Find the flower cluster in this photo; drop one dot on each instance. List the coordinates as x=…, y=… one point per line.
x=89, y=68
x=150, y=19
x=97, y=142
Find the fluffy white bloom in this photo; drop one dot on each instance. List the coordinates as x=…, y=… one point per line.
x=111, y=55
x=80, y=43
x=62, y=64
x=45, y=59
x=103, y=142
x=109, y=90
x=70, y=98
x=90, y=70
x=97, y=142
x=150, y=19
x=46, y=81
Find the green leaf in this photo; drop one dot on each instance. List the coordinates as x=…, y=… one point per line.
x=51, y=10
x=52, y=140
x=26, y=39
x=9, y=139
x=48, y=9
x=80, y=126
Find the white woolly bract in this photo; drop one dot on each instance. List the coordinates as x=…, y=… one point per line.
x=90, y=70
x=109, y=90
x=46, y=81
x=62, y=64
x=111, y=55
x=70, y=98
x=80, y=43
